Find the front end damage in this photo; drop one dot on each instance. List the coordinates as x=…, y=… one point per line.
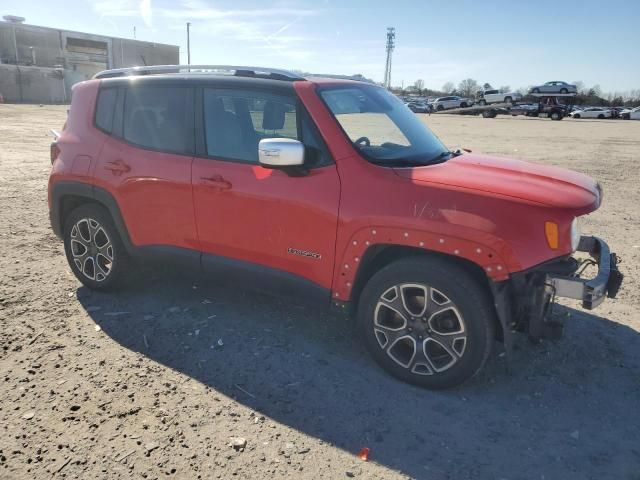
x=523, y=302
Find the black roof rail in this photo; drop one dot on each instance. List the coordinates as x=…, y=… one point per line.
x=257, y=72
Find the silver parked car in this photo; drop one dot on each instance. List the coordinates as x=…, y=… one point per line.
x=554, y=87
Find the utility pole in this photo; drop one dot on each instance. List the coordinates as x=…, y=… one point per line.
x=188, y=44
x=391, y=38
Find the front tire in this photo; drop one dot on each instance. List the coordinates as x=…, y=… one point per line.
x=94, y=250
x=508, y=100
x=427, y=322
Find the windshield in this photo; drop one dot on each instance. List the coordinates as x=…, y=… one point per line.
x=381, y=127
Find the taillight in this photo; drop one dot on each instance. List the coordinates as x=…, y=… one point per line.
x=55, y=151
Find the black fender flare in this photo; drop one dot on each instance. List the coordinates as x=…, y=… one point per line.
x=94, y=194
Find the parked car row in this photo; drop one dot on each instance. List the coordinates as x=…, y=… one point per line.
x=551, y=105
x=437, y=104
x=606, y=112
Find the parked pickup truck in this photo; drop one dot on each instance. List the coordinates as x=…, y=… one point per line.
x=484, y=97
x=327, y=190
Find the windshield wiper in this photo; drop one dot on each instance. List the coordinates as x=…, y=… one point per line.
x=441, y=157
x=408, y=162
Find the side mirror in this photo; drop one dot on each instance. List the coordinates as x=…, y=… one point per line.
x=280, y=153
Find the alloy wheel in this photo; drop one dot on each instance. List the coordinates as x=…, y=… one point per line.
x=91, y=249
x=419, y=328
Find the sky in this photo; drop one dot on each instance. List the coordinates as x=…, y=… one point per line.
x=516, y=43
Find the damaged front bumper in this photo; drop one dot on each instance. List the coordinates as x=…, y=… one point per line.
x=523, y=302
x=591, y=292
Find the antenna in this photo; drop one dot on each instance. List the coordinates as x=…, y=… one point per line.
x=391, y=44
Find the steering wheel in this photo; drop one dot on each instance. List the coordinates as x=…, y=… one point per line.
x=363, y=141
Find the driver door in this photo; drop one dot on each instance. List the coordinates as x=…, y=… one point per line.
x=255, y=222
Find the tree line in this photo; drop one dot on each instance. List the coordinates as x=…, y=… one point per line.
x=468, y=88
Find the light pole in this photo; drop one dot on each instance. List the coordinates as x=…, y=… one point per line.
x=188, y=44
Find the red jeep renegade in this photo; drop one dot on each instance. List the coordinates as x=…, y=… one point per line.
x=323, y=189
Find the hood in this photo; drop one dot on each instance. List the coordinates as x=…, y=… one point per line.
x=517, y=180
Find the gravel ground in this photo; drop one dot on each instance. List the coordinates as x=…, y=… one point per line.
x=172, y=377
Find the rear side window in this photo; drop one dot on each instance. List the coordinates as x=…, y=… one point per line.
x=159, y=118
x=105, y=107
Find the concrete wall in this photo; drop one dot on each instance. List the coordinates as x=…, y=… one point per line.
x=43, y=43
x=80, y=55
x=131, y=53
x=32, y=84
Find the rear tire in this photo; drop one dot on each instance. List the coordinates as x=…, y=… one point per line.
x=508, y=100
x=556, y=116
x=601, y=116
x=427, y=322
x=463, y=105
x=564, y=91
x=93, y=247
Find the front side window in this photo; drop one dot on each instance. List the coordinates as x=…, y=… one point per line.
x=382, y=128
x=235, y=121
x=159, y=118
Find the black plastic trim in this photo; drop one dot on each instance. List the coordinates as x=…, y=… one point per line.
x=91, y=193
x=263, y=279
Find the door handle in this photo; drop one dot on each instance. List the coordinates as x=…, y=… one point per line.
x=217, y=182
x=117, y=167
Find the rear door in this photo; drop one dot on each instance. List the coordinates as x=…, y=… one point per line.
x=146, y=163
x=262, y=221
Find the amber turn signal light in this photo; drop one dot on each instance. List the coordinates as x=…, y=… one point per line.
x=551, y=232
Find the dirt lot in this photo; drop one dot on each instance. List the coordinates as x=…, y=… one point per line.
x=155, y=381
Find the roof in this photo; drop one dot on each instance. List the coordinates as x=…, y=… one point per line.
x=207, y=72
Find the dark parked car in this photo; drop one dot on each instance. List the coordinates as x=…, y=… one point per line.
x=527, y=109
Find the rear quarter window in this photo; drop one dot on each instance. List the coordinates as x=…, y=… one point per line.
x=105, y=108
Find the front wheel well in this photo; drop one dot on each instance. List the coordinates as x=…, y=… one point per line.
x=379, y=256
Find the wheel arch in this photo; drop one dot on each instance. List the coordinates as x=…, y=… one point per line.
x=67, y=196
x=379, y=256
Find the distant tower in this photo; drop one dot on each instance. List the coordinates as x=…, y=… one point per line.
x=391, y=39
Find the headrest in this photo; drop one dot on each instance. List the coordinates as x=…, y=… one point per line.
x=273, y=116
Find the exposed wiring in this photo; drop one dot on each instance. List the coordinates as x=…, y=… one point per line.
x=549, y=307
x=583, y=265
